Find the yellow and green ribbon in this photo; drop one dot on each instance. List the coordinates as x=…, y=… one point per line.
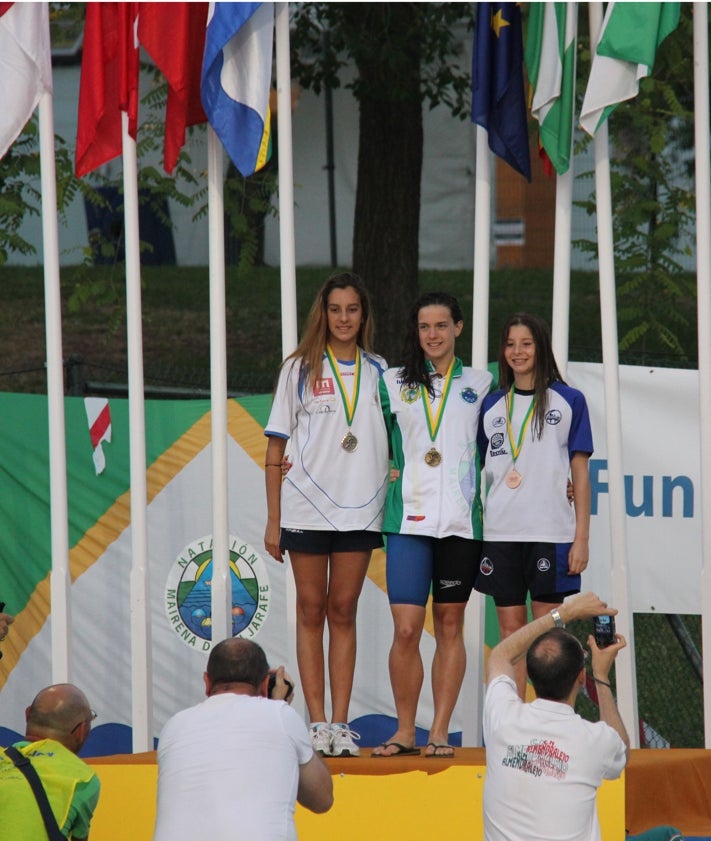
x=516, y=448
x=433, y=423
x=349, y=403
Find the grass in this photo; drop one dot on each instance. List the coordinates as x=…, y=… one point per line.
x=176, y=329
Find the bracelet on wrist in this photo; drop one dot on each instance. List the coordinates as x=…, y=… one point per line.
x=555, y=616
x=602, y=682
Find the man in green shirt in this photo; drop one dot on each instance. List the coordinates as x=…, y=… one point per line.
x=58, y=723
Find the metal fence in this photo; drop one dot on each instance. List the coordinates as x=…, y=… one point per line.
x=669, y=681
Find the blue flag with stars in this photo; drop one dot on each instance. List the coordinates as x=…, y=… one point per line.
x=498, y=97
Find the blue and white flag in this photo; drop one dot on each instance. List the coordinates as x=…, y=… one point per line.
x=236, y=79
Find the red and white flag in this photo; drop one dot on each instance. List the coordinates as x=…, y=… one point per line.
x=25, y=65
x=179, y=58
x=109, y=83
x=98, y=415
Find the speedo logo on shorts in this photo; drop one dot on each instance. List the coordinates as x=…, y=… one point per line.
x=415, y=518
x=445, y=585
x=294, y=531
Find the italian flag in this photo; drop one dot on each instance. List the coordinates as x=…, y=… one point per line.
x=630, y=36
x=550, y=63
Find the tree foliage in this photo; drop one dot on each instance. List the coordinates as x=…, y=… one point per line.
x=651, y=162
x=404, y=55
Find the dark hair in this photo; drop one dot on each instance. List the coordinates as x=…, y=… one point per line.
x=236, y=660
x=546, y=369
x=414, y=369
x=554, y=661
x=313, y=342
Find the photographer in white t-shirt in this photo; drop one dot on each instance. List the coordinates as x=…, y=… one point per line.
x=234, y=765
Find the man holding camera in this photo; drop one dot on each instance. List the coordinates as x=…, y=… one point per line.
x=234, y=765
x=544, y=763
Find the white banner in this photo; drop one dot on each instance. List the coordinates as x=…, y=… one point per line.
x=661, y=467
x=661, y=452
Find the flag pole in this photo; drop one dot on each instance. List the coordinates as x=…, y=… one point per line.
x=475, y=611
x=561, y=269
x=703, y=281
x=221, y=591
x=287, y=251
x=482, y=251
x=560, y=320
x=60, y=579
x=141, y=667
x=625, y=663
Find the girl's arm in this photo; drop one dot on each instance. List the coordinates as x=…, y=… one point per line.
x=580, y=551
x=273, y=479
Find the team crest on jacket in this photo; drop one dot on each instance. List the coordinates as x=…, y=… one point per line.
x=188, y=590
x=408, y=394
x=469, y=395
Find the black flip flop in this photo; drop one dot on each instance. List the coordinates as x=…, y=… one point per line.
x=402, y=750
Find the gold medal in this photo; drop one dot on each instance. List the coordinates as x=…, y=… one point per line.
x=349, y=442
x=433, y=458
x=513, y=479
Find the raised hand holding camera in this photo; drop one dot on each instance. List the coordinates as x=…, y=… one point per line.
x=280, y=687
x=604, y=630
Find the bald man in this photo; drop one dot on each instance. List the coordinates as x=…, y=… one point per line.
x=58, y=723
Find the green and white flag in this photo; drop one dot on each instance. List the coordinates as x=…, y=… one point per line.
x=550, y=63
x=630, y=36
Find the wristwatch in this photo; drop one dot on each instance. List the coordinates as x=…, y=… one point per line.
x=555, y=616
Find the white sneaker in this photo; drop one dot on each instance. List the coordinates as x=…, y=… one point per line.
x=342, y=743
x=321, y=738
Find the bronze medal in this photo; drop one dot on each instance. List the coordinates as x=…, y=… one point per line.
x=349, y=442
x=513, y=479
x=433, y=458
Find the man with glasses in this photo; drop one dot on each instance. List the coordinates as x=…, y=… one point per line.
x=58, y=723
x=544, y=763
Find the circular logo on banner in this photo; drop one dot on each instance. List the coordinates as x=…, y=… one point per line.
x=188, y=590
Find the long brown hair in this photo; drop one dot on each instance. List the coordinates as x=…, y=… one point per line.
x=546, y=369
x=313, y=342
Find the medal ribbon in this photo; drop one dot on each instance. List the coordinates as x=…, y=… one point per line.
x=516, y=448
x=349, y=405
x=433, y=424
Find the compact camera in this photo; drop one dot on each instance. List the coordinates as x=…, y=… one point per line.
x=604, y=630
x=272, y=684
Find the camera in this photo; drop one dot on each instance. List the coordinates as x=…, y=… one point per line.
x=272, y=684
x=604, y=630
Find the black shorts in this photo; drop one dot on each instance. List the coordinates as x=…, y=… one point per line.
x=508, y=571
x=328, y=542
